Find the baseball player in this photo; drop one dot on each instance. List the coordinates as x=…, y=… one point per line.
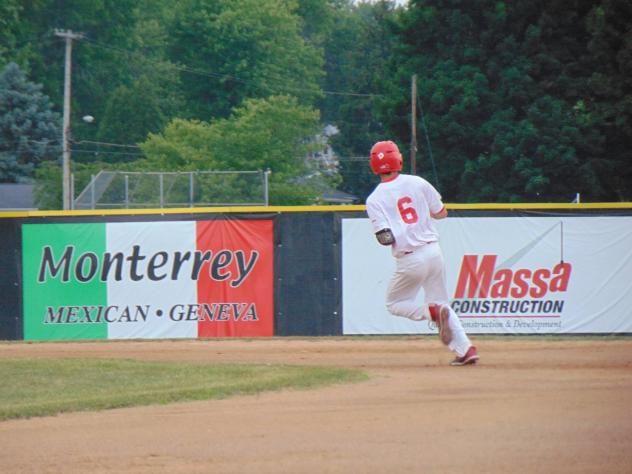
x=401, y=209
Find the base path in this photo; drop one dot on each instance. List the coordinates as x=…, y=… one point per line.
x=530, y=406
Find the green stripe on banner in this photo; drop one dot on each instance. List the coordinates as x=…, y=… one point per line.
x=57, y=303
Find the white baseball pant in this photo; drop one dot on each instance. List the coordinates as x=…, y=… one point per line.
x=423, y=268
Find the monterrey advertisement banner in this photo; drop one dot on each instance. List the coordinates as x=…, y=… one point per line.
x=148, y=280
x=505, y=275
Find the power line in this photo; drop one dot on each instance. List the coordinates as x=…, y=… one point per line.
x=39, y=142
x=423, y=123
x=76, y=142
x=204, y=73
x=352, y=158
x=91, y=142
x=102, y=152
x=125, y=145
x=35, y=38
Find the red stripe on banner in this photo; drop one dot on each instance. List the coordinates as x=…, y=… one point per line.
x=235, y=284
x=509, y=316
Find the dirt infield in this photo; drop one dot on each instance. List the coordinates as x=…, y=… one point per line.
x=545, y=406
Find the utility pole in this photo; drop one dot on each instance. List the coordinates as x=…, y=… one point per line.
x=66, y=185
x=413, y=125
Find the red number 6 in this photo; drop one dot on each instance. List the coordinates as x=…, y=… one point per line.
x=409, y=215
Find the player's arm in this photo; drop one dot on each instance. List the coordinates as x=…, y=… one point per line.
x=383, y=233
x=433, y=198
x=442, y=214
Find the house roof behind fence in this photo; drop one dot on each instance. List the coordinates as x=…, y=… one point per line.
x=17, y=197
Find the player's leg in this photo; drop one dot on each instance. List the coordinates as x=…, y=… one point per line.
x=403, y=289
x=451, y=331
x=439, y=313
x=450, y=328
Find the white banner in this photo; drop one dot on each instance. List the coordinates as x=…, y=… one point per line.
x=506, y=275
x=157, y=238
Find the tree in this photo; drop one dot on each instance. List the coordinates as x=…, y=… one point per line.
x=30, y=131
x=318, y=18
x=261, y=134
x=605, y=112
x=131, y=113
x=356, y=52
x=492, y=82
x=149, y=97
x=231, y=50
x=9, y=13
x=101, y=61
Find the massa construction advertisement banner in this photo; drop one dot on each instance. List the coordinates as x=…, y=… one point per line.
x=148, y=279
x=505, y=275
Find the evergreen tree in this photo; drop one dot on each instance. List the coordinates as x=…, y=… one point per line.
x=604, y=105
x=505, y=89
x=30, y=131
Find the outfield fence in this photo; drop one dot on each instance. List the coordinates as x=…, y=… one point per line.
x=145, y=190
x=309, y=271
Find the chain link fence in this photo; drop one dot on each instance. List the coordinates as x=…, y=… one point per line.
x=136, y=190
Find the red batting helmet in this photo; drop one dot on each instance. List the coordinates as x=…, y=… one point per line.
x=385, y=158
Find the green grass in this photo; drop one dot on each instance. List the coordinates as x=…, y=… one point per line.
x=33, y=387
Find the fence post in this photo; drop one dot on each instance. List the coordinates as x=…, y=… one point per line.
x=72, y=191
x=266, y=173
x=92, y=193
x=126, y=191
x=191, y=192
x=162, y=197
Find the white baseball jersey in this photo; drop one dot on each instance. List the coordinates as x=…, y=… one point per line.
x=404, y=205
